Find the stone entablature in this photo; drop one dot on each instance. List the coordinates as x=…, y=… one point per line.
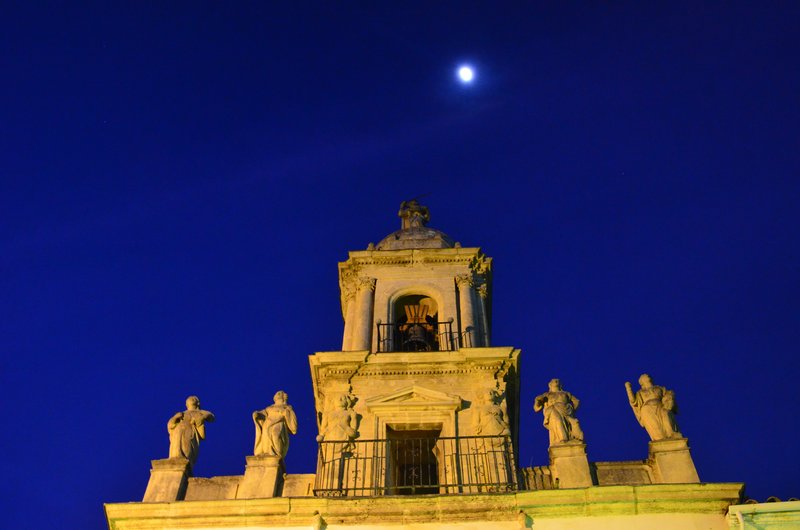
x=629, y=507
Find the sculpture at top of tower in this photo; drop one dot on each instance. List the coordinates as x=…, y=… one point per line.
x=273, y=426
x=186, y=429
x=413, y=214
x=414, y=232
x=654, y=408
x=559, y=408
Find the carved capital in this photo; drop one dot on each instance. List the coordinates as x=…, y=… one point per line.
x=464, y=281
x=365, y=282
x=480, y=264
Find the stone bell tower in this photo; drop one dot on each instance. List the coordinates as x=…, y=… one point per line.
x=417, y=400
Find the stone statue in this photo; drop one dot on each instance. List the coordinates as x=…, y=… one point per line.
x=489, y=418
x=340, y=423
x=559, y=409
x=654, y=408
x=186, y=429
x=413, y=214
x=273, y=426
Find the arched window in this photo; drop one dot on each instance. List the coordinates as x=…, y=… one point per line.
x=416, y=324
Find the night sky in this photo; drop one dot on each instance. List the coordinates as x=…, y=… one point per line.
x=178, y=181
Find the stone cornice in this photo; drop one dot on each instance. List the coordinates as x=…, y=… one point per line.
x=471, y=260
x=711, y=499
x=357, y=364
x=468, y=256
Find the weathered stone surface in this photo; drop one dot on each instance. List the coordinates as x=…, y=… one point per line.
x=263, y=478
x=212, y=489
x=297, y=485
x=633, y=473
x=672, y=462
x=168, y=480
x=651, y=507
x=570, y=465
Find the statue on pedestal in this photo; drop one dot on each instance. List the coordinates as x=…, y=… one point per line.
x=186, y=429
x=654, y=408
x=559, y=409
x=413, y=214
x=273, y=426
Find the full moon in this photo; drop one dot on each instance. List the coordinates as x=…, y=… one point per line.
x=466, y=74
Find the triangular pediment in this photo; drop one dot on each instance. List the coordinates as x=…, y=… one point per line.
x=414, y=396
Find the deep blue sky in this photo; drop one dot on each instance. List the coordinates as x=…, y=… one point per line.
x=179, y=180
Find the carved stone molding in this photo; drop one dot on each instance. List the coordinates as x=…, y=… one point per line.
x=464, y=280
x=480, y=264
x=365, y=282
x=483, y=291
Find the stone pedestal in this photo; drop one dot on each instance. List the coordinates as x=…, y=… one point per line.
x=569, y=464
x=671, y=462
x=168, y=480
x=263, y=477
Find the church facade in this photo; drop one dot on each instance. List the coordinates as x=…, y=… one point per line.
x=418, y=418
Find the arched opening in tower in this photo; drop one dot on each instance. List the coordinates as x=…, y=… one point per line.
x=416, y=323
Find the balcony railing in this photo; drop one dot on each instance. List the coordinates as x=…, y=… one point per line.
x=415, y=466
x=423, y=336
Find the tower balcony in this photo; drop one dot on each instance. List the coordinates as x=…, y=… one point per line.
x=421, y=336
x=407, y=465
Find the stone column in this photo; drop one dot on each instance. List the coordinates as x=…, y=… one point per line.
x=483, y=293
x=349, y=319
x=570, y=465
x=365, y=297
x=168, y=480
x=671, y=462
x=263, y=477
x=464, y=282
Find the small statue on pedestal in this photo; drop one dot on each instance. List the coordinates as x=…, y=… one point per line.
x=559, y=409
x=186, y=429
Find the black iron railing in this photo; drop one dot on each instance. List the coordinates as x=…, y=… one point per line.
x=424, y=336
x=415, y=466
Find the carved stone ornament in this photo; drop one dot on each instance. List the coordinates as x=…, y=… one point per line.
x=464, y=280
x=348, y=293
x=483, y=291
x=489, y=418
x=559, y=409
x=339, y=423
x=186, y=429
x=365, y=282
